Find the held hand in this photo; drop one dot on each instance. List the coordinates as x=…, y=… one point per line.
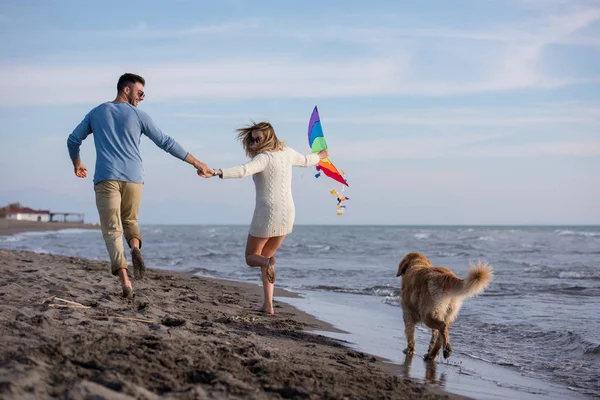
x=203, y=170
x=323, y=154
x=80, y=170
x=206, y=174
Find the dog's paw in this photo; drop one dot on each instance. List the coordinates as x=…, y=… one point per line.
x=447, y=350
x=409, y=351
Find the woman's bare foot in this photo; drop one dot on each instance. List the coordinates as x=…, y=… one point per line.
x=268, y=309
x=270, y=271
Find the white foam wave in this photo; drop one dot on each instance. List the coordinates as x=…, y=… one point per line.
x=421, y=236
x=578, y=275
x=11, y=238
x=76, y=231
x=566, y=232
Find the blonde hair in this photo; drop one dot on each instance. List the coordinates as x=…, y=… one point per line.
x=269, y=143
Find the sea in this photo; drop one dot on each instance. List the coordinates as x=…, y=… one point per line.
x=534, y=333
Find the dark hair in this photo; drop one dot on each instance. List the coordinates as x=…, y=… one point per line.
x=129, y=79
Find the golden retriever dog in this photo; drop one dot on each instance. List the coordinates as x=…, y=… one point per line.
x=433, y=296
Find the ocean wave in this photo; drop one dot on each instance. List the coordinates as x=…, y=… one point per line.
x=379, y=291
x=567, y=232
x=593, y=350
x=319, y=247
x=392, y=301
x=580, y=272
x=579, y=275
x=76, y=231
x=421, y=236
x=550, y=341
x=202, y=271
x=11, y=238
x=294, y=248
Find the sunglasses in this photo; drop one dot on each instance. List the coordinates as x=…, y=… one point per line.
x=140, y=93
x=255, y=140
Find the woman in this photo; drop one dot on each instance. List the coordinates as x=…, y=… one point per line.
x=271, y=166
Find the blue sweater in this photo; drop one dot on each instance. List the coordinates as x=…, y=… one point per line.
x=117, y=129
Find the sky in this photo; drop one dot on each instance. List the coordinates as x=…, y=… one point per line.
x=440, y=113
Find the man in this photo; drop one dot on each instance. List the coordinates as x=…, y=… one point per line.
x=118, y=177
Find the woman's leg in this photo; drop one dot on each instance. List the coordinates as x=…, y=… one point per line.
x=254, y=249
x=268, y=251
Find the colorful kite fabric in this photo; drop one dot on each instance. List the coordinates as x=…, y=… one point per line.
x=317, y=142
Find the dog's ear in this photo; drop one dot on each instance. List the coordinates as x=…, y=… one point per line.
x=408, y=260
x=404, y=264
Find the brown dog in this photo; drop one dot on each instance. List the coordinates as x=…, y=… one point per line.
x=433, y=296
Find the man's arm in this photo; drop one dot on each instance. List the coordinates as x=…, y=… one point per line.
x=169, y=144
x=74, y=141
x=203, y=170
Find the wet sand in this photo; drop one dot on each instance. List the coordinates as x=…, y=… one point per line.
x=181, y=337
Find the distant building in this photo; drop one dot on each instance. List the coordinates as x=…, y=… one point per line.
x=28, y=214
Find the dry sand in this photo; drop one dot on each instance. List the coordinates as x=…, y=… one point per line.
x=195, y=338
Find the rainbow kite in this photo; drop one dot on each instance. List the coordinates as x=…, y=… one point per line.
x=317, y=142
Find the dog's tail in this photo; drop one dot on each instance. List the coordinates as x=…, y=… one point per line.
x=479, y=277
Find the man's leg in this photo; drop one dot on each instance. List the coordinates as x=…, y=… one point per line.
x=130, y=207
x=108, y=202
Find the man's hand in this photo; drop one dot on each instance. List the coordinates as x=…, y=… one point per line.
x=79, y=168
x=204, y=170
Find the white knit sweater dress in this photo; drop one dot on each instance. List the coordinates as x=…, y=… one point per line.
x=274, y=211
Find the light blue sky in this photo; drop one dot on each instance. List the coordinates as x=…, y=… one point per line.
x=463, y=112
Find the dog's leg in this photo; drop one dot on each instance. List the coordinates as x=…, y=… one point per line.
x=435, y=324
x=446, y=336
x=434, y=338
x=435, y=349
x=409, y=332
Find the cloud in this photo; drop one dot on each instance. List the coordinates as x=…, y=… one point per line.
x=384, y=68
x=550, y=25
x=247, y=78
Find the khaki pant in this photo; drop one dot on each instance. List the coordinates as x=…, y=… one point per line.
x=118, y=205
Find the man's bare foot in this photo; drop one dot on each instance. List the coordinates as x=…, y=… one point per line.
x=125, y=283
x=127, y=292
x=139, y=267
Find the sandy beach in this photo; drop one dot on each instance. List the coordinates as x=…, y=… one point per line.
x=67, y=333
x=9, y=227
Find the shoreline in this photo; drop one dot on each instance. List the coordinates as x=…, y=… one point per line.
x=11, y=226
x=204, y=339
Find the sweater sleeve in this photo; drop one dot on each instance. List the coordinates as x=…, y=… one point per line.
x=256, y=165
x=300, y=160
x=78, y=136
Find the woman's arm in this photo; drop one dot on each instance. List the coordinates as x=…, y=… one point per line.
x=257, y=164
x=309, y=160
